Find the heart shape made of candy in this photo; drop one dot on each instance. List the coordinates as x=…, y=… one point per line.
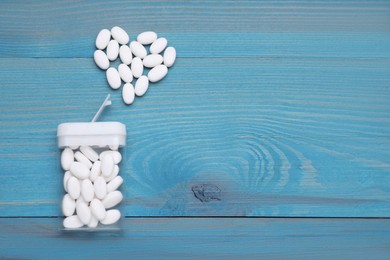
x=134, y=57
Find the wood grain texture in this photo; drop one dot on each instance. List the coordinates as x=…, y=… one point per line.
x=200, y=239
x=276, y=137
x=272, y=109
x=201, y=28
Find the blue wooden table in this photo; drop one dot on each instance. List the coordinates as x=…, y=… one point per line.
x=270, y=136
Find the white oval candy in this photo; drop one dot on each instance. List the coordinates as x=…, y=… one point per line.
x=100, y=187
x=82, y=159
x=119, y=35
x=112, y=199
x=113, y=78
x=79, y=170
x=102, y=39
x=87, y=190
x=83, y=212
x=74, y=147
x=137, y=67
x=138, y=49
x=157, y=73
x=114, y=184
x=112, y=216
x=115, y=155
x=125, y=73
x=141, y=86
x=95, y=170
x=72, y=222
x=107, y=165
x=68, y=205
x=101, y=59
x=67, y=157
x=93, y=222
x=169, y=56
x=67, y=175
x=158, y=45
x=90, y=153
x=152, y=60
x=98, y=210
x=128, y=94
x=73, y=187
x=113, y=174
x=146, y=37
x=125, y=54
x=112, y=50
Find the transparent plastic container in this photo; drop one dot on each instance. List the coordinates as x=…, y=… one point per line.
x=90, y=160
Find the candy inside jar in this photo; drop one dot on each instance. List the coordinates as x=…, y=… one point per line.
x=90, y=160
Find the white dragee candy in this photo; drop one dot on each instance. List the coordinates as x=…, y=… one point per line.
x=87, y=190
x=67, y=157
x=98, y=210
x=169, y=56
x=141, y=86
x=83, y=212
x=95, y=170
x=112, y=199
x=100, y=187
x=128, y=94
x=112, y=50
x=114, y=184
x=125, y=54
x=119, y=35
x=152, y=60
x=138, y=49
x=67, y=175
x=115, y=155
x=79, y=170
x=137, y=67
x=157, y=73
x=158, y=45
x=107, y=165
x=73, y=185
x=72, y=222
x=101, y=60
x=146, y=38
x=103, y=39
x=68, y=205
x=90, y=153
x=93, y=222
x=113, y=78
x=113, y=174
x=82, y=159
x=112, y=216
x=125, y=73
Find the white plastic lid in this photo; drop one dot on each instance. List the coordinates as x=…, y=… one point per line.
x=98, y=134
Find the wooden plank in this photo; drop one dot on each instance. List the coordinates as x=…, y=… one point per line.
x=201, y=28
x=208, y=238
x=265, y=137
